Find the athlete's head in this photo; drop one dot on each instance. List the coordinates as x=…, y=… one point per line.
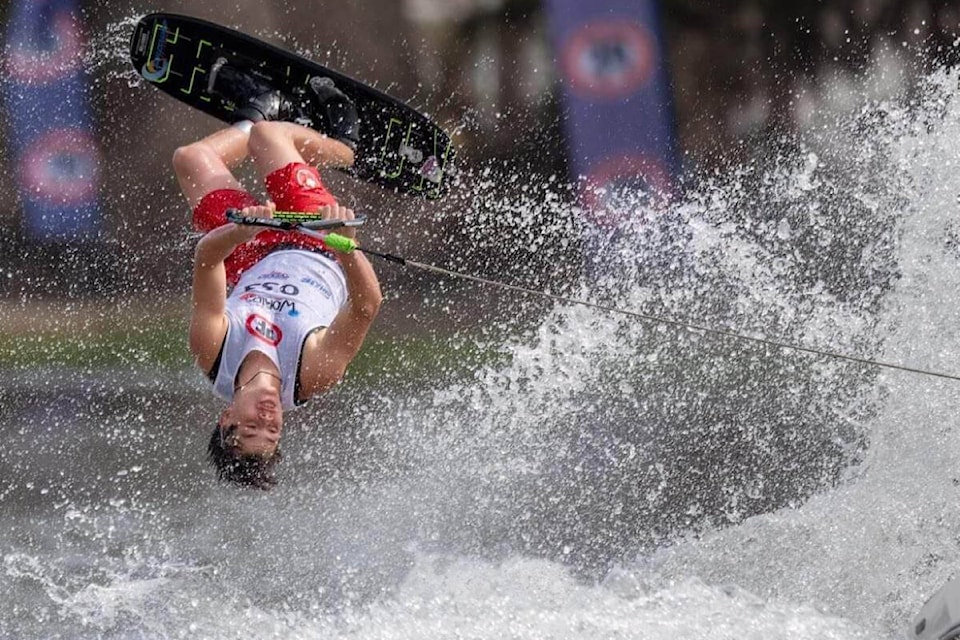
x=245, y=445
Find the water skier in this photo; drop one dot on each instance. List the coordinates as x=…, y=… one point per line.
x=276, y=317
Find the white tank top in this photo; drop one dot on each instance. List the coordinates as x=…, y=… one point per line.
x=273, y=309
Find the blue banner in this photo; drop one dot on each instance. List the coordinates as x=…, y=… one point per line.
x=617, y=102
x=54, y=152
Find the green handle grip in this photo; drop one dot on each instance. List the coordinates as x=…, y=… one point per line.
x=340, y=243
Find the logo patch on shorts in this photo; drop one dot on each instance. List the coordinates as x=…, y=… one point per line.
x=306, y=179
x=262, y=329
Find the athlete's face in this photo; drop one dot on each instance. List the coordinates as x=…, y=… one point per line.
x=258, y=415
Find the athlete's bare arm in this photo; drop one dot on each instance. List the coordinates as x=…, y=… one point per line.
x=323, y=366
x=208, y=322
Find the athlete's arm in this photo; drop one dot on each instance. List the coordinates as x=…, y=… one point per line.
x=324, y=366
x=208, y=322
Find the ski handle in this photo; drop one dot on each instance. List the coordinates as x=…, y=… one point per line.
x=310, y=228
x=234, y=215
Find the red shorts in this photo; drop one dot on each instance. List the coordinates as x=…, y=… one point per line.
x=295, y=187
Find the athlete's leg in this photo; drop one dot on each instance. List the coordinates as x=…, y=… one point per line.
x=204, y=166
x=274, y=145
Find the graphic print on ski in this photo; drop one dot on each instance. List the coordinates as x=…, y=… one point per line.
x=399, y=147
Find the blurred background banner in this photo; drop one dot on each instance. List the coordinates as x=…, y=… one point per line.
x=617, y=102
x=51, y=137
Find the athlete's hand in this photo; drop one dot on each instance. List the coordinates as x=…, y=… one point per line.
x=247, y=232
x=338, y=212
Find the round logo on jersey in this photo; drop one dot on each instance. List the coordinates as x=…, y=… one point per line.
x=609, y=59
x=61, y=166
x=306, y=179
x=616, y=187
x=262, y=329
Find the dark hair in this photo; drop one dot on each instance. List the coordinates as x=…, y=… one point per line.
x=252, y=470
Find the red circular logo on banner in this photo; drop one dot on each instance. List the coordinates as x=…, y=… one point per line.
x=61, y=166
x=609, y=59
x=617, y=186
x=38, y=66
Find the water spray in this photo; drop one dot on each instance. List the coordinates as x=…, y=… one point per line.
x=344, y=244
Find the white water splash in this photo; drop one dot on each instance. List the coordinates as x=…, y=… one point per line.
x=495, y=506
